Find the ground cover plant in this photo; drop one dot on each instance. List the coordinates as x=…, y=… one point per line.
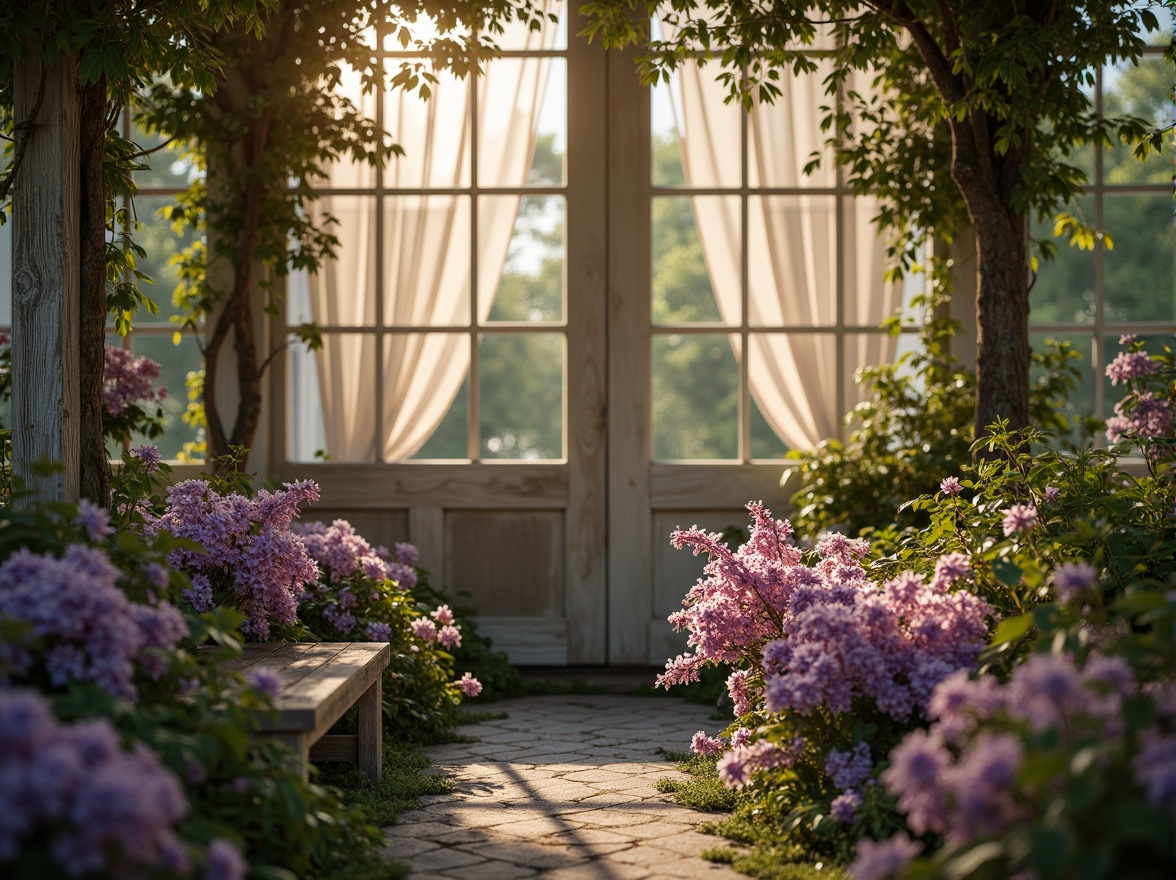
x=991, y=694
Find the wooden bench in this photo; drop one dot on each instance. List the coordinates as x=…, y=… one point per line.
x=321, y=681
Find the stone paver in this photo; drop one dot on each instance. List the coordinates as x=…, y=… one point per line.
x=563, y=788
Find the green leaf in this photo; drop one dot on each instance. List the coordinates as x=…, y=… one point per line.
x=1050, y=850
x=1011, y=629
x=1006, y=572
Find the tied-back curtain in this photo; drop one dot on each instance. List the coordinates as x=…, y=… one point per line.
x=427, y=251
x=792, y=250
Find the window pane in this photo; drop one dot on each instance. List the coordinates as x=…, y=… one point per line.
x=784, y=135
x=343, y=293
x=869, y=298
x=166, y=167
x=518, y=36
x=1080, y=403
x=551, y=133
x=764, y=441
x=682, y=289
x=1139, y=274
x=1063, y=292
x=333, y=398
x=510, y=95
x=531, y=287
x=695, y=397
x=162, y=243
x=1143, y=90
x=666, y=159
x=175, y=363
x=521, y=395
x=426, y=261
x=792, y=261
x=710, y=132
x=434, y=133
x=450, y=440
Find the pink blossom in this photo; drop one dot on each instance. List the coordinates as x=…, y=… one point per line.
x=424, y=629
x=1073, y=578
x=127, y=381
x=1131, y=365
x=885, y=859
x=443, y=615
x=951, y=486
x=701, y=744
x=469, y=685
x=1019, y=518
x=449, y=636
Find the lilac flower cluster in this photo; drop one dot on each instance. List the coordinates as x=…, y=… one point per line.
x=1141, y=416
x=957, y=778
x=127, y=381
x=251, y=560
x=469, y=685
x=1018, y=518
x=73, y=790
x=737, y=766
x=426, y=629
x=1130, y=365
x=340, y=552
x=891, y=644
x=86, y=626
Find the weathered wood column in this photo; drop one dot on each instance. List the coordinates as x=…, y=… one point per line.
x=46, y=276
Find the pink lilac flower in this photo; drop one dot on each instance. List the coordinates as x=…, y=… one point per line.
x=701, y=744
x=378, y=632
x=94, y=519
x=883, y=859
x=148, y=453
x=737, y=766
x=1148, y=418
x=917, y=771
x=74, y=791
x=450, y=637
x=1127, y=339
x=1131, y=365
x=951, y=486
x=739, y=691
x=981, y=784
x=469, y=685
x=266, y=680
x=741, y=737
x=424, y=629
x=443, y=615
x=950, y=568
x=127, y=381
x=90, y=629
x=734, y=772
x=1019, y=518
x=1051, y=494
x=225, y=861
x=1071, y=579
x=844, y=807
x=251, y=560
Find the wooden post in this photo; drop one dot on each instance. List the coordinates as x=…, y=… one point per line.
x=46, y=277
x=371, y=730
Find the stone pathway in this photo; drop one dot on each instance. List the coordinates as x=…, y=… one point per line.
x=563, y=788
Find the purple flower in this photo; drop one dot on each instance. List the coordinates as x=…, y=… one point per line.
x=849, y=769
x=225, y=861
x=424, y=629
x=916, y=774
x=148, y=453
x=266, y=680
x=406, y=554
x=1155, y=768
x=733, y=770
x=127, y=381
x=378, y=632
x=443, y=615
x=950, y=568
x=1019, y=518
x=739, y=691
x=701, y=744
x=1071, y=579
x=884, y=859
x=469, y=685
x=844, y=807
x=94, y=519
x=951, y=486
x=1051, y=494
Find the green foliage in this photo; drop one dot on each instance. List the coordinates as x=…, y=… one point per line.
x=914, y=431
x=402, y=782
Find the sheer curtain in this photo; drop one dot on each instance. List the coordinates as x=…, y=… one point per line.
x=792, y=251
x=427, y=250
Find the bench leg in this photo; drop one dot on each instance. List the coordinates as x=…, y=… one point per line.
x=371, y=731
x=299, y=743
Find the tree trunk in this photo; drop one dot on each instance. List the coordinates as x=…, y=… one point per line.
x=95, y=466
x=1002, y=317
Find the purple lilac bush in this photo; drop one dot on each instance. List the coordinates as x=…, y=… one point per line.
x=249, y=559
x=365, y=593
x=81, y=625
x=91, y=807
x=819, y=646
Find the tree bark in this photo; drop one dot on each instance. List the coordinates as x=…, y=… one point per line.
x=95, y=466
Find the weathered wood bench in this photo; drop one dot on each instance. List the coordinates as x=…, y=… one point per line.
x=321, y=681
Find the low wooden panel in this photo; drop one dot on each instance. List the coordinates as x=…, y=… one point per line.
x=381, y=528
x=528, y=641
x=335, y=747
x=367, y=486
x=676, y=571
x=511, y=562
x=698, y=486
